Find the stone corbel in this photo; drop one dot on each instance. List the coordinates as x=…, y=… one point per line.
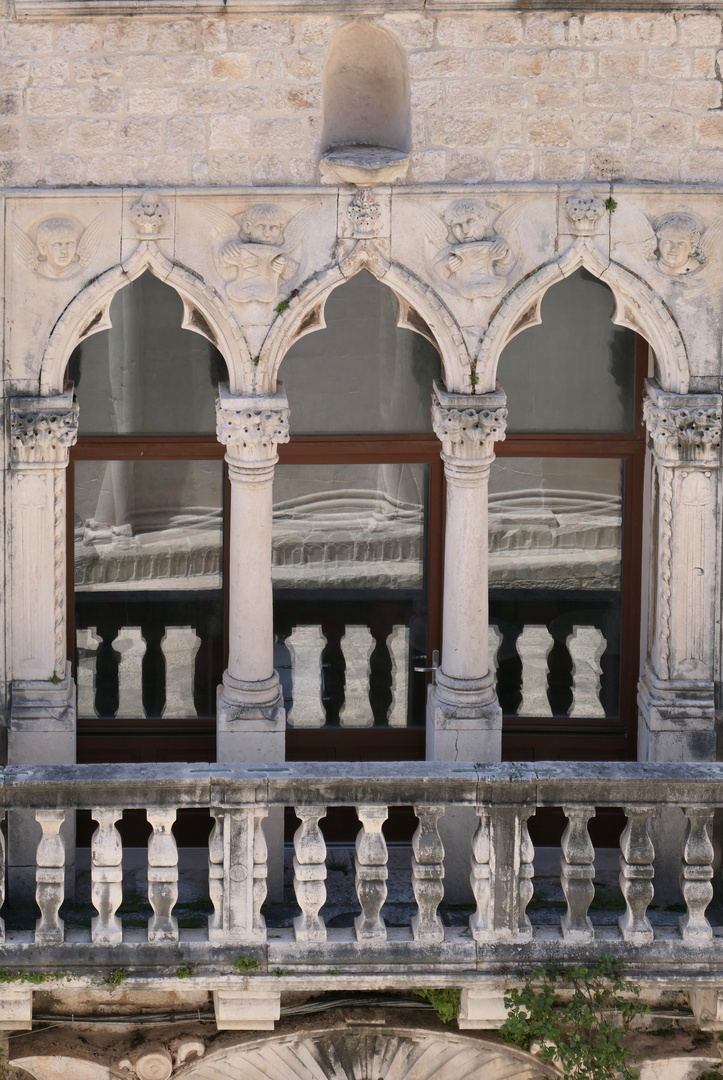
x=246, y=1010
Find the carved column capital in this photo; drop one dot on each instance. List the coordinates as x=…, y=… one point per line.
x=43, y=429
x=251, y=427
x=684, y=429
x=468, y=425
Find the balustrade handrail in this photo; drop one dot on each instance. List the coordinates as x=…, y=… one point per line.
x=398, y=783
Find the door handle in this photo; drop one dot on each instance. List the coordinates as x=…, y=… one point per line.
x=435, y=663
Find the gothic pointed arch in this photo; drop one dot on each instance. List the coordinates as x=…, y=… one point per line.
x=203, y=312
x=420, y=309
x=637, y=306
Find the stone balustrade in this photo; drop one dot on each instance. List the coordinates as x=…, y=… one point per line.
x=493, y=939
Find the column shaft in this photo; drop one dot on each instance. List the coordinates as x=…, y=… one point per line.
x=464, y=719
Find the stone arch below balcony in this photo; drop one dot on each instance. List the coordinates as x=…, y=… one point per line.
x=336, y=1053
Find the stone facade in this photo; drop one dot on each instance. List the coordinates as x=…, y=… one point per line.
x=513, y=149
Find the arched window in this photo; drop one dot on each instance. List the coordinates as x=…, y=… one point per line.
x=565, y=513
x=148, y=490
x=357, y=532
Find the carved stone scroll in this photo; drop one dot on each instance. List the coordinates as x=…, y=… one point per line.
x=106, y=851
x=371, y=873
x=162, y=875
x=697, y=874
x=50, y=877
x=636, y=875
x=428, y=875
x=310, y=874
x=578, y=871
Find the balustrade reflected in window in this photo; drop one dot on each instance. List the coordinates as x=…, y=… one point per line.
x=564, y=493
x=148, y=498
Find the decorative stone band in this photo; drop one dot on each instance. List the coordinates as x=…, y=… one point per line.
x=252, y=426
x=468, y=425
x=684, y=429
x=43, y=429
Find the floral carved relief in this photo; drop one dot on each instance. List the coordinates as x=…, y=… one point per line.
x=148, y=214
x=583, y=211
x=684, y=434
x=59, y=246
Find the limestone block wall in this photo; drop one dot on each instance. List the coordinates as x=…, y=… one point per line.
x=237, y=99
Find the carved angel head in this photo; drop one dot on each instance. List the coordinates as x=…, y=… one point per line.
x=263, y=223
x=679, y=243
x=57, y=242
x=467, y=220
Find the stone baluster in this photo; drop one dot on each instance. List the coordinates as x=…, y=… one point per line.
x=50, y=877
x=309, y=874
x=428, y=875
x=216, y=876
x=465, y=720
x=502, y=872
x=479, y=923
x=695, y=879
x=578, y=871
x=162, y=875
x=106, y=852
x=371, y=873
x=636, y=875
x=250, y=698
x=260, y=871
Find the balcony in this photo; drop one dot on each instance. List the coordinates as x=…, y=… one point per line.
x=477, y=950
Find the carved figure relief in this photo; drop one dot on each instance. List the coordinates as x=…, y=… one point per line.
x=677, y=242
x=60, y=246
x=259, y=250
x=472, y=248
x=148, y=214
x=584, y=210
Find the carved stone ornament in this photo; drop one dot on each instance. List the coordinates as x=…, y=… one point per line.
x=59, y=246
x=677, y=243
x=471, y=248
x=684, y=433
x=584, y=210
x=364, y=212
x=252, y=427
x=158, y=1062
x=148, y=214
x=259, y=250
x=43, y=430
x=469, y=431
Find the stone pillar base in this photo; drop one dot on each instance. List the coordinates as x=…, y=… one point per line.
x=677, y=719
x=41, y=732
x=466, y=728
x=251, y=727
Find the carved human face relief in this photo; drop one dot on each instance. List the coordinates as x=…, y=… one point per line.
x=264, y=232
x=58, y=244
x=678, y=248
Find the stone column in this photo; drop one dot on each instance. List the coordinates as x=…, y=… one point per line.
x=464, y=720
x=251, y=721
x=676, y=691
x=251, y=718
x=42, y=713
x=42, y=717
x=676, y=694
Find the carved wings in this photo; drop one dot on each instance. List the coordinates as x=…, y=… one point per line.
x=26, y=249
x=638, y=232
x=90, y=241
